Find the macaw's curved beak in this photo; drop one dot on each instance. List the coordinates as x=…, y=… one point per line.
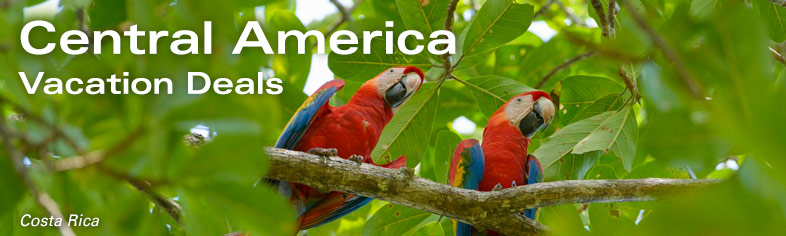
x=410, y=82
x=538, y=119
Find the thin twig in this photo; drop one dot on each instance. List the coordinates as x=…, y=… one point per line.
x=612, y=18
x=56, y=130
x=543, y=9
x=42, y=198
x=779, y=2
x=446, y=65
x=778, y=56
x=604, y=22
x=94, y=157
x=148, y=188
x=688, y=80
x=563, y=66
x=606, y=51
x=346, y=16
x=575, y=19
x=629, y=84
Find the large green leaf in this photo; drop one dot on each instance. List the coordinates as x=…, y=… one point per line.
x=361, y=67
x=290, y=66
x=582, y=92
x=618, y=133
x=496, y=23
x=774, y=17
x=393, y=219
x=446, y=144
x=492, y=91
x=409, y=132
x=607, y=219
x=430, y=229
x=423, y=16
x=614, y=130
x=573, y=166
x=10, y=185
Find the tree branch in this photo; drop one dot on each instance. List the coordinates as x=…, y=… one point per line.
x=612, y=18
x=563, y=66
x=42, y=198
x=446, y=65
x=604, y=22
x=498, y=210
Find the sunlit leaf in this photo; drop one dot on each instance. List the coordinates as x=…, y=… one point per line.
x=409, y=132
x=496, y=23
x=394, y=220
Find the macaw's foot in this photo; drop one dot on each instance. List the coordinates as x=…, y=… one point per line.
x=513, y=184
x=356, y=158
x=325, y=153
x=497, y=187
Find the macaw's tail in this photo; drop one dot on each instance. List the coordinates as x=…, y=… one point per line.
x=395, y=164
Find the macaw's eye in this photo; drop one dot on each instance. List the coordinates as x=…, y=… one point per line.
x=531, y=123
x=396, y=95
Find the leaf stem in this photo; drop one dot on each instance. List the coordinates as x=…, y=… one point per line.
x=563, y=66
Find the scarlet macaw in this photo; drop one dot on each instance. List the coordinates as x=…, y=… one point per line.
x=502, y=160
x=349, y=131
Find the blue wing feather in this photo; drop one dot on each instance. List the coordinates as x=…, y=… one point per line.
x=466, y=171
x=535, y=175
x=304, y=116
x=299, y=123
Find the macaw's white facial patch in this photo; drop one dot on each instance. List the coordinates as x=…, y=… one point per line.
x=518, y=108
x=388, y=78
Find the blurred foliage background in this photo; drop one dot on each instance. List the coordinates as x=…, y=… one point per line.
x=708, y=73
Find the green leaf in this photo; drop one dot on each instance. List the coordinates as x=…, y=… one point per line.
x=430, y=229
x=607, y=103
x=574, y=166
x=563, y=219
x=774, y=17
x=615, y=130
x=607, y=219
x=702, y=8
x=290, y=66
x=10, y=185
x=618, y=133
x=496, y=23
x=361, y=67
x=423, y=18
x=492, y=91
x=446, y=144
x=394, y=220
x=447, y=226
x=581, y=89
x=409, y=132
x=582, y=92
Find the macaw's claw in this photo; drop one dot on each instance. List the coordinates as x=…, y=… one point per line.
x=325, y=153
x=356, y=158
x=329, y=152
x=497, y=187
x=408, y=172
x=513, y=184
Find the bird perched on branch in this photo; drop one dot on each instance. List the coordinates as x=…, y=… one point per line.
x=502, y=160
x=350, y=131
